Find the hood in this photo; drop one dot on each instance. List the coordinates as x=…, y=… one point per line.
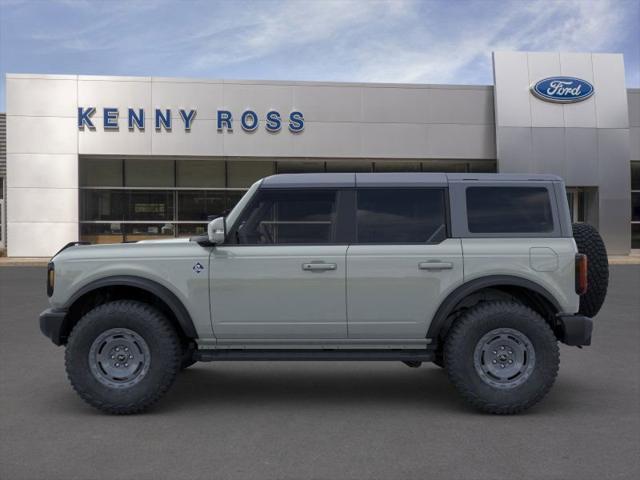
x=112, y=251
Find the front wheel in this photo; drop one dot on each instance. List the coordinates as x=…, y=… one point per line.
x=123, y=356
x=502, y=357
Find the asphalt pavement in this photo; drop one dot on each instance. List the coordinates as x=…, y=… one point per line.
x=315, y=420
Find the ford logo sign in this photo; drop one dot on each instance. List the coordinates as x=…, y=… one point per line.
x=562, y=89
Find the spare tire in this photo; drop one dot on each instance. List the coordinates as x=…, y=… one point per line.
x=590, y=243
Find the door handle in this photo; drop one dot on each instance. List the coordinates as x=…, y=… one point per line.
x=435, y=265
x=319, y=267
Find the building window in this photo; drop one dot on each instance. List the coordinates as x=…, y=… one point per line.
x=102, y=232
x=137, y=199
x=201, y=174
x=199, y=205
x=149, y=173
x=102, y=205
x=150, y=205
x=101, y=172
x=299, y=167
x=134, y=232
x=338, y=166
x=395, y=166
x=242, y=174
x=635, y=205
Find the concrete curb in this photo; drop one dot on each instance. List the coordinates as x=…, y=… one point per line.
x=23, y=262
x=624, y=260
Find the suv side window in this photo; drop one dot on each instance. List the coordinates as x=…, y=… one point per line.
x=392, y=215
x=509, y=210
x=289, y=216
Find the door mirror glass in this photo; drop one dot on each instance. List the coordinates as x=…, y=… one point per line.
x=217, y=230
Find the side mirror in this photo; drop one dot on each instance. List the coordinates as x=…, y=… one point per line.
x=217, y=230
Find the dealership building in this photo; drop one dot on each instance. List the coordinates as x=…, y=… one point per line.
x=112, y=159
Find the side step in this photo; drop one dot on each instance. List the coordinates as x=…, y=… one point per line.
x=314, y=355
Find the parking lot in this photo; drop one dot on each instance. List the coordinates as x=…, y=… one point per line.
x=319, y=420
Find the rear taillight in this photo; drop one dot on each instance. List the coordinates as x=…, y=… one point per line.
x=581, y=274
x=51, y=278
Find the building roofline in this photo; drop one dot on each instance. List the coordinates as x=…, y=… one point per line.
x=149, y=79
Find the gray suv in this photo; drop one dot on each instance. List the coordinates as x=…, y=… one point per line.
x=480, y=274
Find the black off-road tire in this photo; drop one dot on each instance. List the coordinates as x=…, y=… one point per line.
x=468, y=333
x=161, y=344
x=590, y=243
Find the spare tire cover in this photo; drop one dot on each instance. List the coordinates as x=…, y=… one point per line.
x=590, y=243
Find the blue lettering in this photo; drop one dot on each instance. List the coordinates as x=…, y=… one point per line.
x=187, y=118
x=225, y=119
x=249, y=120
x=136, y=120
x=84, y=117
x=110, y=118
x=163, y=120
x=274, y=124
x=296, y=122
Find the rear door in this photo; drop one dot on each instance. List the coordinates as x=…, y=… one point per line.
x=402, y=264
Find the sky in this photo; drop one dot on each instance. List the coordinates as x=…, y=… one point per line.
x=403, y=41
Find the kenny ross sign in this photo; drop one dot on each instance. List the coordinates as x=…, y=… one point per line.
x=162, y=119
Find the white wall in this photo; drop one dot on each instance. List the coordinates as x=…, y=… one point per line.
x=42, y=164
x=341, y=120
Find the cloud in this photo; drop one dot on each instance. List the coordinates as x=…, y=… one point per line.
x=290, y=25
x=345, y=40
x=408, y=41
x=571, y=25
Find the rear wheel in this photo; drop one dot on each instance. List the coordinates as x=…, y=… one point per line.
x=122, y=356
x=502, y=357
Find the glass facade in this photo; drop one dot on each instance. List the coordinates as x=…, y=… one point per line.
x=126, y=199
x=635, y=205
x=583, y=204
x=2, y=215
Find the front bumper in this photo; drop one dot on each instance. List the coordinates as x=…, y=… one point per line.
x=52, y=324
x=574, y=330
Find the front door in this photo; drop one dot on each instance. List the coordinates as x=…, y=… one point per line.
x=402, y=264
x=282, y=273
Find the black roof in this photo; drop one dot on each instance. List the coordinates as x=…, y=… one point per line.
x=409, y=179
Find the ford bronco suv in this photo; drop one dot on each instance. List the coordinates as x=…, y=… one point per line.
x=482, y=274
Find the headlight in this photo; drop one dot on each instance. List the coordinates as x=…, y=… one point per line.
x=51, y=278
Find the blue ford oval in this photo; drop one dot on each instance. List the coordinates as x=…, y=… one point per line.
x=562, y=89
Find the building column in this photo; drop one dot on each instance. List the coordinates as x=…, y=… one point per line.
x=42, y=164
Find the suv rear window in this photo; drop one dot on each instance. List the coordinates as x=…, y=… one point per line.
x=509, y=210
x=391, y=215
